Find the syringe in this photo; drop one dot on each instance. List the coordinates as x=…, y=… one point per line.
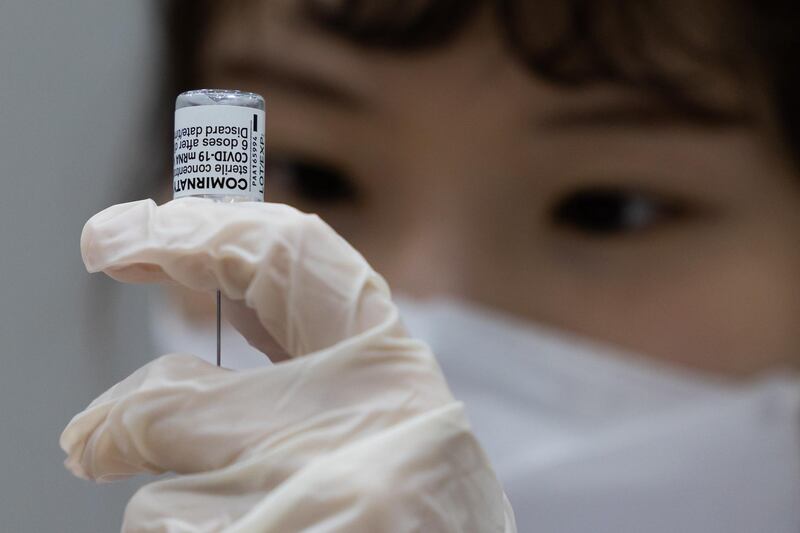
x=219, y=152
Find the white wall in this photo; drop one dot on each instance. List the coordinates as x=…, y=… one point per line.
x=72, y=79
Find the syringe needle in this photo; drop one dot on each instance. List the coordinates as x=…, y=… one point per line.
x=219, y=328
x=231, y=119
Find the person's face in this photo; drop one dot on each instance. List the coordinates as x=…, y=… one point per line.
x=600, y=211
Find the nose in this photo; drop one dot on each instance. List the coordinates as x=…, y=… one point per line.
x=428, y=243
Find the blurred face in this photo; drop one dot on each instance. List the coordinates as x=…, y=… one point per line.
x=601, y=211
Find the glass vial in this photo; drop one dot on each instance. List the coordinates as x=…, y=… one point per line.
x=219, y=145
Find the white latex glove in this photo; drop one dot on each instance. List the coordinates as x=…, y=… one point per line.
x=356, y=432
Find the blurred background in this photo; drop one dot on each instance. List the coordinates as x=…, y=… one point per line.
x=74, y=82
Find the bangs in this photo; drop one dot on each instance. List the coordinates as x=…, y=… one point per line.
x=686, y=51
x=667, y=46
x=395, y=24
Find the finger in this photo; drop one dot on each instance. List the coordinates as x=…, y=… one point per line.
x=246, y=322
x=91, y=437
x=395, y=480
x=181, y=414
x=308, y=287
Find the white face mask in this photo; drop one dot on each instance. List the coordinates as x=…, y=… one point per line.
x=587, y=439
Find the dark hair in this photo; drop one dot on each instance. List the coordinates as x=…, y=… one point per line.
x=572, y=43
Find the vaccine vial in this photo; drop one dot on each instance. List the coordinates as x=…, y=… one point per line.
x=219, y=152
x=219, y=145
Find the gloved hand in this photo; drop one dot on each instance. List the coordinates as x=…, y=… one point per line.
x=356, y=432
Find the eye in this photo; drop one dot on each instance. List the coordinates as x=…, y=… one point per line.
x=608, y=211
x=311, y=179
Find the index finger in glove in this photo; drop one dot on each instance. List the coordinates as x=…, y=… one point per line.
x=309, y=288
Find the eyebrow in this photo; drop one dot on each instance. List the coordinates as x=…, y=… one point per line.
x=301, y=82
x=645, y=115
